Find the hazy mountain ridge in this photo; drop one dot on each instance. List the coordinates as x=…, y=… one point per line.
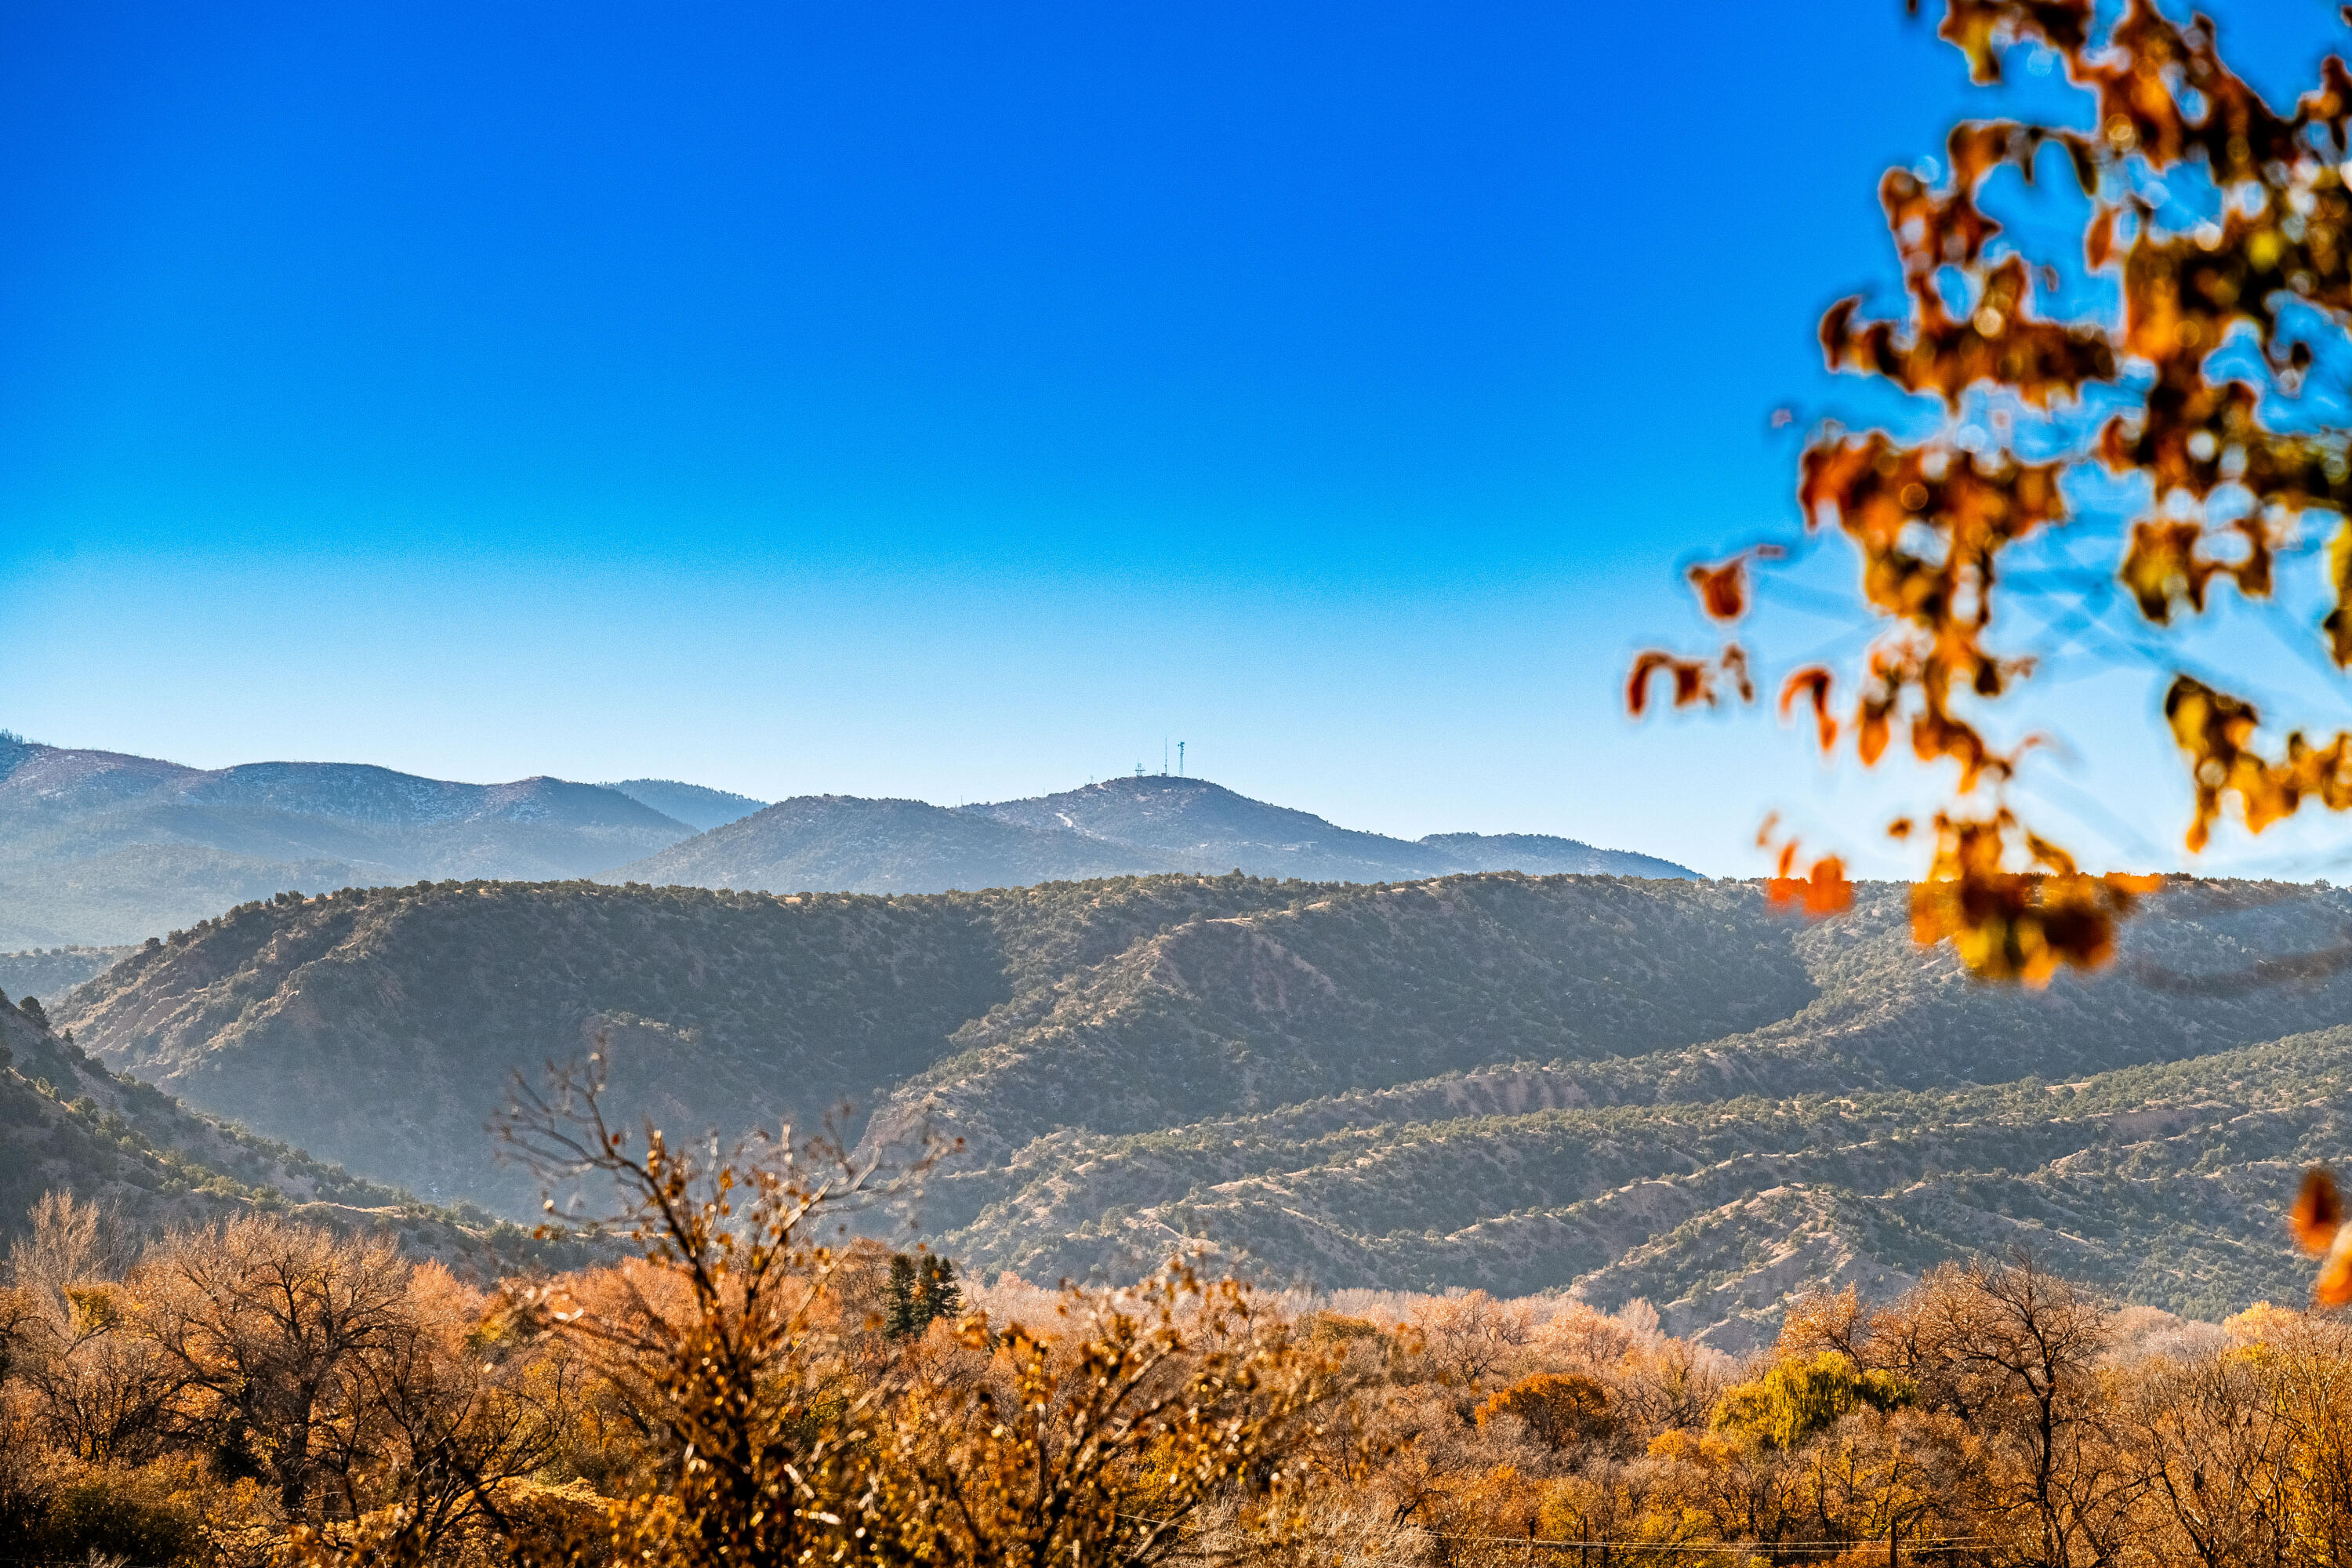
x=1121, y=827
x=137, y=890
x=1203, y=826
x=699, y=807
x=359, y=793
x=50, y=972
x=1656, y=1088
x=31, y=773
x=76, y=783
x=839, y=843
x=102, y=848
x=1543, y=855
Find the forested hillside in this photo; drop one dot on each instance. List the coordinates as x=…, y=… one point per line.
x=1658, y=1089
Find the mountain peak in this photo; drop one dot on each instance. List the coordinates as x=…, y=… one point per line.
x=1205, y=826
x=845, y=843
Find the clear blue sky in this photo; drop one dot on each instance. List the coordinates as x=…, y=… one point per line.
x=947, y=400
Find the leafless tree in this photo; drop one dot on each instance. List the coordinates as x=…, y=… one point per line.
x=2013, y=1349
x=269, y=1327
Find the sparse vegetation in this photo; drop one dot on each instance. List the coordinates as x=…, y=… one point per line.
x=1655, y=1088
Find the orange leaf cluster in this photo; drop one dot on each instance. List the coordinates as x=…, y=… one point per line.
x=2164, y=99
x=1997, y=342
x=2166, y=563
x=1929, y=523
x=1977, y=26
x=1930, y=520
x=1722, y=587
x=1812, y=684
x=2017, y=925
x=2285, y=236
x=2217, y=730
x=1821, y=892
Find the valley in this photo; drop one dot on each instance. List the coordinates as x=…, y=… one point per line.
x=1617, y=1087
x=68, y=1125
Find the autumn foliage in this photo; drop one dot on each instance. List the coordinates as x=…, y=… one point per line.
x=2224, y=226
x=265, y=1394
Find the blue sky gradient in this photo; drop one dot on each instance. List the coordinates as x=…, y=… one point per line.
x=953, y=401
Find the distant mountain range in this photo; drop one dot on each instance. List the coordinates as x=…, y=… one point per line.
x=1623, y=1088
x=1121, y=827
x=842, y=843
x=101, y=848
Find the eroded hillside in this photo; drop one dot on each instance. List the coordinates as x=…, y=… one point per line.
x=67, y=1125
x=1620, y=1087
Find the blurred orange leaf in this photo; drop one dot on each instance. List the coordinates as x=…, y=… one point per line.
x=1821, y=892
x=2318, y=1212
x=1812, y=684
x=1722, y=587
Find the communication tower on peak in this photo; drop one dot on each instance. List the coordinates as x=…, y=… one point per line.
x=1180, y=759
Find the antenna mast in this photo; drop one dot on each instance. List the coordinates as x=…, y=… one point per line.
x=1180, y=759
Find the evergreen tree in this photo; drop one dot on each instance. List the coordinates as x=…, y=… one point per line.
x=942, y=1296
x=905, y=1318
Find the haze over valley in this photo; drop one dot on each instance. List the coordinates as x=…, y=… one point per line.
x=1157, y=1014
x=1618, y=1086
